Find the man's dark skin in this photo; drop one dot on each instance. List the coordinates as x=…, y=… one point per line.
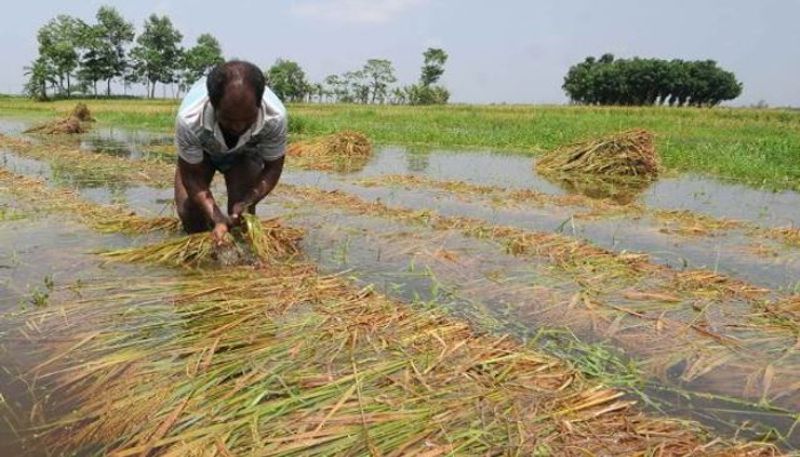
x=248, y=181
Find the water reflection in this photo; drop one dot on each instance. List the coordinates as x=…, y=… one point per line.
x=619, y=190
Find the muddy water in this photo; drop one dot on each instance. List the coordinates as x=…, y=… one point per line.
x=122, y=143
x=696, y=193
x=470, y=279
x=43, y=259
x=690, y=192
x=473, y=279
x=731, y=254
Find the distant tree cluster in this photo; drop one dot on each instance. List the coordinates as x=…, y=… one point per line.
x=74, y=55
x=372, y=83
x=610, y=81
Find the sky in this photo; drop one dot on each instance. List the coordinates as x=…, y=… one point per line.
x=501, y=51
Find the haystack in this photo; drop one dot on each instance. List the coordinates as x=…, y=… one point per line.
x=342, y=151
x=81, y=112
x=629, y=153
x=74, y=123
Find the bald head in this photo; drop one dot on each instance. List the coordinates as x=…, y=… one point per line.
x=236, y=75
x=235, y=90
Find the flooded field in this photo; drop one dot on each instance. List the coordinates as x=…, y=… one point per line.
x=682, y=295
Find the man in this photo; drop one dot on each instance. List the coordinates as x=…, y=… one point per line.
x=232, y=123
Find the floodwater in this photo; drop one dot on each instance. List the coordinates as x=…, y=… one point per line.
x=705, y=195
x=724, y=254
x=43, y=259
x=469, y=278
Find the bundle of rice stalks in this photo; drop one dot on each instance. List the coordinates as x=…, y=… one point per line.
x=254, y=243
x=68, y=125
x=343, y=151
x=74, y=123
x=81, y=112
x=628, y=153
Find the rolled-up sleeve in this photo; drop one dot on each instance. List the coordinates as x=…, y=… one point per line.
x=188, y=145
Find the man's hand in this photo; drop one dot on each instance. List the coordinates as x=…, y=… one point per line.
x=219, y=232
x=237, y=211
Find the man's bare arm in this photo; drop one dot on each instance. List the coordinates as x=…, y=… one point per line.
x=195, y=178
x=266, y=182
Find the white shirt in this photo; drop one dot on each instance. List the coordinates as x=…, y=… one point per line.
x=197, y=130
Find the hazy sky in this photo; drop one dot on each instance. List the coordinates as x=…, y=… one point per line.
x=514, y=51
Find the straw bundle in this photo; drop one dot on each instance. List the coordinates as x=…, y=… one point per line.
x=628, y=153
x=81, y=112
x=74, y=123
x=256, y=242
x=343, y=151
x=69, y=125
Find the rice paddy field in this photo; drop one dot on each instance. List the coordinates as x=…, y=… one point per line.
x=422, y=291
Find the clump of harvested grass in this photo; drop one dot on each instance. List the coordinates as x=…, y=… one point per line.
x=72, y=124
x=343, y=151
x=257, y=242
x=69, y=125
x=629, y=153
x=81, y=112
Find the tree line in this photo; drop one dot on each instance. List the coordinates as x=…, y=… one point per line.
x=372, y=83
x=75, y=56
x=637, y=81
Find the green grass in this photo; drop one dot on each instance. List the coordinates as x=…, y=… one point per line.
x=759, y=147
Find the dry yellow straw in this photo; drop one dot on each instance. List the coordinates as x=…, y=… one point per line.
x=628, y=153
x=74, y=123
x=343, y=151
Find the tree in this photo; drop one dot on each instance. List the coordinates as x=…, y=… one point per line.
x=40, y=74
x=93, y=62
x=426, y=93
x=157, y=55
x=58, y=45
x=399, y=96
x=287, y=80
x=380, y=73
x=433, y=68
x=200, y=59
x=336, y=87
x=357, y=87
x=114, y=33
x=636, y=81
x=419, y=94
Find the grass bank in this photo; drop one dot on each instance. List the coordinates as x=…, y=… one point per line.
x=760, y=147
